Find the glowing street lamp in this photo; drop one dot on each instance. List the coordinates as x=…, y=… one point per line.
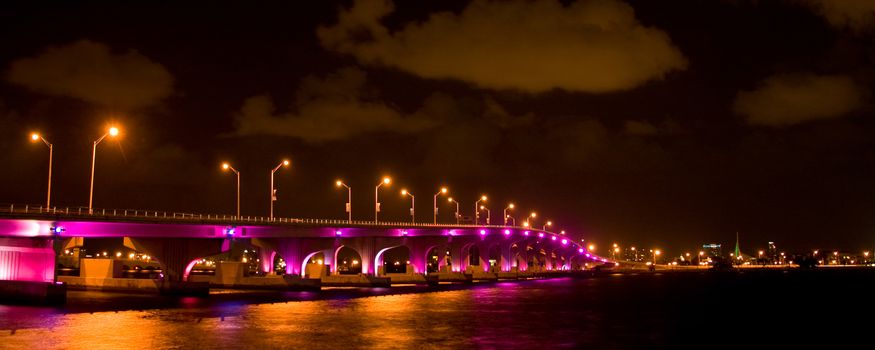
x=112, y=132
x=457, y=208
x=272, y=189
x=442, y=191
x=531, y=219
x=226, y=166
x=488, y=213
x=591, y=247
x=37, y=137
x=476, y=211
x=412, y=205
x=656, y=253
x=339, y=183
x=386, y=181
x=509, y=206
x=549, y=223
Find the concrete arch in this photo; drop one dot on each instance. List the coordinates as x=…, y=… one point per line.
x=378, y=259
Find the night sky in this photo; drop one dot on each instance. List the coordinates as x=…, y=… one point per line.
x=652, y=123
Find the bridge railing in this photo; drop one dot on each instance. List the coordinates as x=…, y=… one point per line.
x=154, y=215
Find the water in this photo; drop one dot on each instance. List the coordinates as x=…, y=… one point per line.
x=662, y=310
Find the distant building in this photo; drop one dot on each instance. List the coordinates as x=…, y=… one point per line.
x=712, y=250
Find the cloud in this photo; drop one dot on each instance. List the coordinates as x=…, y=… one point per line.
x=792, y=99
x=91, y=72
x=334, y=108
x=853, y=14
x=593, y=46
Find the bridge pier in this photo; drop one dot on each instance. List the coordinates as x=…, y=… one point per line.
x=27, y=271
x=177, y=257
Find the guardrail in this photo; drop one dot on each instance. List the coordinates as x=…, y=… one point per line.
x=177, y=216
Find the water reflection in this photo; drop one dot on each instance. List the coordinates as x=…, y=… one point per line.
x=646, y=310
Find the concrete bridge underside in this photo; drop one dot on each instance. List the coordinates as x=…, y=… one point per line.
x=28, y=247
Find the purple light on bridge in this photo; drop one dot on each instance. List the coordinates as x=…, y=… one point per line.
x=507, y=232
x=526, y=233
x=587, y=255
x=452, y=232
x=540, y=235
x=338, y=233
x=553, y=237
x=483, y=232
x=580, y=250
x=404, y=233
x=230, y=231
x=564, y=241
x=58, y=230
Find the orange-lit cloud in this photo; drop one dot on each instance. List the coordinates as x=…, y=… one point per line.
x=853, y=14
x=593, y=46
x=91, y=72
x=332, y=108
x=792, y=99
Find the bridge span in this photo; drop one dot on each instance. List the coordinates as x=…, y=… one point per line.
x=32, y=238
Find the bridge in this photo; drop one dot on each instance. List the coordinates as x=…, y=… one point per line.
x=32, y=237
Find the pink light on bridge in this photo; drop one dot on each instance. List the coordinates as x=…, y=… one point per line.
x=526, y=233
x=507, y=232
x=553, y=237
x=587, y=255
x=580, y=250
x=483, y=232
x=540, y=235
x=338, y=233
x=564, y=241
x=404, y=232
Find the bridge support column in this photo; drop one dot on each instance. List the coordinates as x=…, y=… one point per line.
x=177, y=256
x=27, y=259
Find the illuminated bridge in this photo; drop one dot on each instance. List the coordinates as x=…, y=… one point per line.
x=31, y=239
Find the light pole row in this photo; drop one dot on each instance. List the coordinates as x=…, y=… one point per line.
x=114, y=131
x=111, y=132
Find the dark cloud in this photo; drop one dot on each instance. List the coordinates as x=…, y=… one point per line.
x=852, y=14
x=334, y=108
x=792, y=99
x=535, y=46
x=91, y=72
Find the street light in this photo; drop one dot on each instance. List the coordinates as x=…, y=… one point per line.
x=488, y=213
x=348, y=199
x=457, y=208
x=509, y=206
x=226, y=166
x=477, y=212
x=591, y=247
x=549, y=223
x=412, y=205
x=444, y=191
x=531, y=219
x=386, y=181
x=36, y=137
x=655, y=254
x=112, y=132
x=272, y=189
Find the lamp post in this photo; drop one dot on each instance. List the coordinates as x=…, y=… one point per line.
x=531, y=219
x=509, y=206
x=656, y=253
x=457, y=208
x=272, y=189
x=112, y=132
x=35, y=137
x=549, y=223
x=226, y=166
x=386, y=181
x=443, y=190
x=488, y=214
x=348, y=199
x=476, y=211
x=412, y=205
